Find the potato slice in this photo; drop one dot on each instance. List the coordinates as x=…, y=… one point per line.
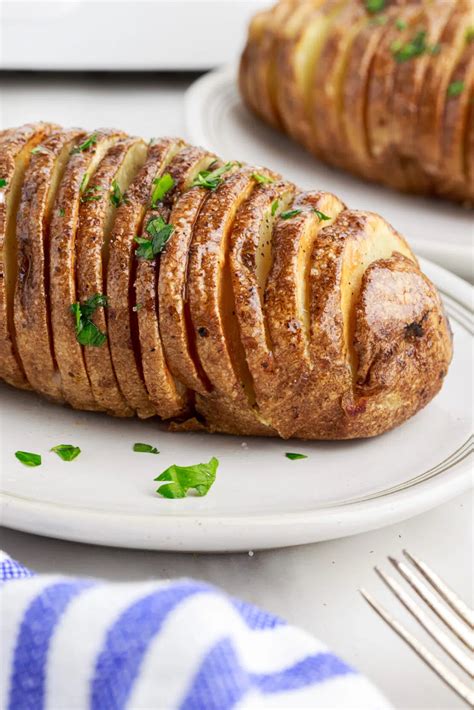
x=459, y=96
x=341, y=255
x=229, y=405
x=327, y=82
x=408, y=83
x=435, y=87
x=31, y=304
x=177, y=333
x=169, y=396
x=303, y=37
x=121, y=318
x=83, y=162
x=403, y=347
x=288, y=309
x=15, y=152
x=97, y=212
x=251, y=243
x=247, y=61
x=354, y=108
x=266, y=77
x=386, y=164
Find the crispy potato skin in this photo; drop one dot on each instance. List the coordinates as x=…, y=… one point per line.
x=367, y=91
x=15, y=152
x=31, y=307
x=269, y=311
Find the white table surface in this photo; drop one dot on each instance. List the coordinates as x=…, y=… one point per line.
x=313, y=586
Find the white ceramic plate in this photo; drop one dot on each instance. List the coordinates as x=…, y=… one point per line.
x=217, y=119
x=260, y=498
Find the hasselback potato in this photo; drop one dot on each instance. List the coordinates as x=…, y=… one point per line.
x=381, y=88
x=154, y=279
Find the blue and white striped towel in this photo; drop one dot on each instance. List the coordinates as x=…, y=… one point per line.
x=75, y=644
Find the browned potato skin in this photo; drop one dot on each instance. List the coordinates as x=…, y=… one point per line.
x=169, y=396
x=289, y=331
x=248, y=292
x=75, y=384
x=122, y=320
x=31, y=306
x=91, y=252
x=213, y=315
x=15, y=144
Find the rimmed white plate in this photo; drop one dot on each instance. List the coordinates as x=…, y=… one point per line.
x=217, y=119
x=260, y=498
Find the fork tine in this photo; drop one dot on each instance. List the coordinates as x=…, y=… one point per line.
x=432, y=661
x=443, y=590
x=441, y=638
x=445, y=614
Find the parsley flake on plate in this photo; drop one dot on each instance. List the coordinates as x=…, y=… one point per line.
x=295, y=457
x=162, y=185
x=289, y=214
x=66, y=452
x=181, y=479
x=88, y=143
x=28, y=458
x=411, y=49
x=92, y=194
x=145, y=448
x=87, y=333
x=373, y=6
x=159, y=231
x=262, y=179
x=3, y=182
x=400, y=25
x=211, y=179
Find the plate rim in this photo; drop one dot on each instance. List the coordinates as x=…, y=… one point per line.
x=219, y=533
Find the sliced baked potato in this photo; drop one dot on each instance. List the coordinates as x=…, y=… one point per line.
x=105, y=192
x=15, y=153
x=32, y=298
x=122, y=304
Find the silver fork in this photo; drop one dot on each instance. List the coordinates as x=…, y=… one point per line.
x=449, y=609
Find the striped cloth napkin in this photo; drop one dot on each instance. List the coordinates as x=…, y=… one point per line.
x=70, y=644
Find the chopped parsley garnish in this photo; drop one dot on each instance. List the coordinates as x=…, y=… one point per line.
x=145, y=448
x=275, y=206
x=162, y=185
x=379, y=20
x=295, y=457
x=61, y=212
x=92, y=194
x=66, y=452
x=321, y=216
x=180, y=479
x=289, y=214
x=401, y=25
x=414, y=48
x=137, y=308
x=374, y=6
x=116, y=194
x=39, y=149
x=455, y=89
x=3, y=182
x=88, y=143
x=28, y=459
x=262, y=179
x=470, y=34
x=84, y=182
x=159, y=232
x=87, y=333
x=211, y=179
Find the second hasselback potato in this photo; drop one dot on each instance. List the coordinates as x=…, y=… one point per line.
x=381, y=88
x=156, y=280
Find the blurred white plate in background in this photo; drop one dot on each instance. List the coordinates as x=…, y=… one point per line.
x=260, y=498
x=217, y=118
